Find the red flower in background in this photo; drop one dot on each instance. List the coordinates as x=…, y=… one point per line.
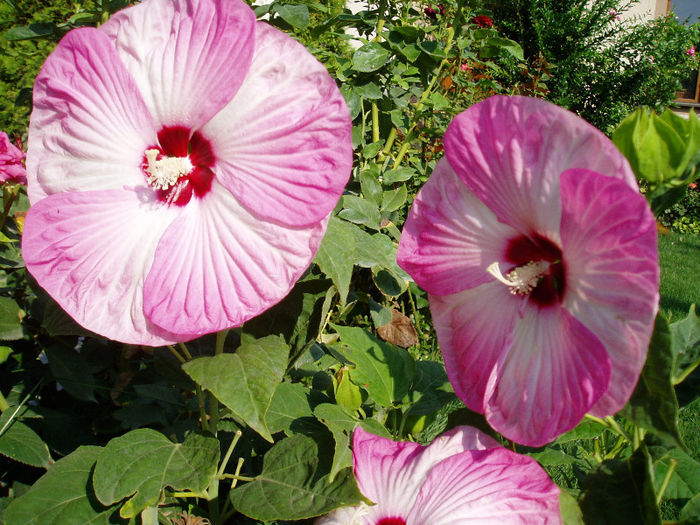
x=431, y=12
x=483, y=21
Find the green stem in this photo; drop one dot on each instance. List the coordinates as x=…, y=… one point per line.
x=202, y=407
x=176, y=354
x=689, y=370
x=213, y=402
x=665, y=482
x=228, y=511
x=18, y=408
x=389, y=142
x=188, y=495
x=236, y=477
x=227, y=457
x=375, y=122
x=185, y=351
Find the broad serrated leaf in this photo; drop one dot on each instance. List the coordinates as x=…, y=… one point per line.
x=382, y=369
x=71, y=370
x=21, y=443
x=141, y=463
x=685, y=344
x=621, y=492
x=586, y=429
x=294, y=15
x=691, y=512
x=431, y=389
x=336, y=255
x=392, y=200
x=653, y=405
x=64, y=495
x=245, y=381
x=398, y=175
x=291, y=409
x=370, y=57
x=373, y=249
x=290, y=486
x=10, y=324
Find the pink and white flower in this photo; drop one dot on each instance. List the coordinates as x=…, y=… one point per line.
x=11, y=157
x=183, y=161
x=540, y=258
x=464, y=476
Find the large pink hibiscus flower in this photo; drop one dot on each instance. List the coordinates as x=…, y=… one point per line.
x=464, y=476
x=183, y=160
x=560, y=324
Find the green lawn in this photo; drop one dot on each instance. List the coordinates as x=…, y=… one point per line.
x=680, y=273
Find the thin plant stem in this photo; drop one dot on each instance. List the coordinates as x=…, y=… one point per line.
x=185, y=351
x=177, y=354
x=213, y=402
x=19, y=407
x=228, y=510
x=236, y=477
x=202, y=407
x=666, y=480
x=689, y=370
x=227, y=456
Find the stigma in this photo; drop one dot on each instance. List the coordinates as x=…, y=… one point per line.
x=164, y=173
x=523, y=279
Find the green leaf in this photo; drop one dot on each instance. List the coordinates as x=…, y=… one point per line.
x=360, y=211
x=71, y=370
x=245, y=381
x=382, y=369
x=29, y=32
x=141, y=463
x=431, y=389
x=685, y=344
x=621, y=492
x=348, y=394
x=586, y=429
x=291, y=487
x=21, y=443
x=372, y=150
x=388, y=282
x=373, y=249
x=494, y=46
x=691, y=512
x=296, y=15
x=10, y=324
x=370, y=57
x=398, y=175
x=392, y=200
x=340, y=421
x=653, y=404
x=57, y=322
x=371, y=189
x=550, y=456
x=336, y=255
x=685, y=481
x=570, y=511
x=291, y=409
x=63, y=495
x=5, y=353
x=370, y=91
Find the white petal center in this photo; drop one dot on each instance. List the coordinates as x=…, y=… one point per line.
x=523, y=279
x=164, y=173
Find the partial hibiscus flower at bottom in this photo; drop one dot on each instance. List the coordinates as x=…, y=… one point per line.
x=11, y=161
x=464, y=476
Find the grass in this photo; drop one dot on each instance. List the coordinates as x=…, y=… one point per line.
x=680, y=273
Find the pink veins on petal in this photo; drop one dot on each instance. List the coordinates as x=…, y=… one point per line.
x=539, y=256
x=463, y=476
x=182, y=163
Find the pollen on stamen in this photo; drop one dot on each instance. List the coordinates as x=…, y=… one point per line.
x=523, y=279
x=164, y=173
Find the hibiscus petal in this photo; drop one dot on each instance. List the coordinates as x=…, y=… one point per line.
x=283, y=143
x=510, y=151
x=89, y=126
x=218, y=265
x=450, y=236
x=91, y=251
x=386, y=473
x=487, y=487
x=189, y=57
x=474, y=328
x=610, y=249
x=554, y=372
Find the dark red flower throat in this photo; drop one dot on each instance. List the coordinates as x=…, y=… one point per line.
x=179, y=166
x=391, y=521
x=552, y=285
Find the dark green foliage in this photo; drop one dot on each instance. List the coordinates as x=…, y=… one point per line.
x=600, y=68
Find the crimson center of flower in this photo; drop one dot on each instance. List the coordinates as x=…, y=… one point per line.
x=393, y=520
x=179, y=166
x=538, y=270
